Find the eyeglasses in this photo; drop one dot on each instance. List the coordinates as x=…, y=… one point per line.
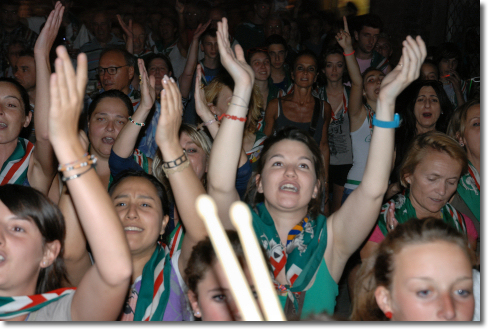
x=111, y=70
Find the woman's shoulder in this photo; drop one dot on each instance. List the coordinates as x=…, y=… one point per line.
x=59, y=310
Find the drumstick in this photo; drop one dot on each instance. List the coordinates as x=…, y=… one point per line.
x=240, y=290
x=242, y=221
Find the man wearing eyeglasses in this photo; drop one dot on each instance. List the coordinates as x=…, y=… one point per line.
x=11, y=29
x=101, y=27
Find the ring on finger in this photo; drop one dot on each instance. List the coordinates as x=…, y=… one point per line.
x=392, y=227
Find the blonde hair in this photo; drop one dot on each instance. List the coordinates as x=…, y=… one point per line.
x=457, y=124
x=424, y=143
x=378, y=269
x=199, y=137
x=256, y=107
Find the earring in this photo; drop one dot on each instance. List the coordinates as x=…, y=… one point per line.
x=442, y=112
x=160, y=237
x=389, y=315
x=197, y=313
x=462, y=144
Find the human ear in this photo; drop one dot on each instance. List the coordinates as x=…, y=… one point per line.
x=165, y=222
x=28, y=118
x=194, y=303
x=51, y=252
x=408, y=178
x=383, y=299
x=259, y=185
x=131, y=72
x=316, y=190
x=356, y=35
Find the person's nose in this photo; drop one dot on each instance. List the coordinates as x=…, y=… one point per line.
x=110, y=126
x=447, y=309
x=441, y=188
x=132, y=212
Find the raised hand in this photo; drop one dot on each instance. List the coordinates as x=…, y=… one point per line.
x=180, y=8
x=391, y=221
x=454, y=79
x=200, y=29
x=148, y=93
x=127, y=29
x=50, y=30
x=407, y=70
x=344, y=39
x=201, y=106
x=67, y=89
x=234, y=63
x=170, y=118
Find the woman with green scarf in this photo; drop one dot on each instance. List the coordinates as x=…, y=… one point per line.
x=307, y=251
x=430, y=174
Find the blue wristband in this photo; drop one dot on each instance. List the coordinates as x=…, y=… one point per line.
x=387, y=124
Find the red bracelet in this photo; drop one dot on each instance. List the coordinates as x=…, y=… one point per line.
x=232, y=117
x=349, y=54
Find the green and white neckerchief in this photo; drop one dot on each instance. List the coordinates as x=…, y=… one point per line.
x=302, y=256
x=469, y=190
x=155, y=286
x=404, y=211
x=11, y=307
x=14, y=169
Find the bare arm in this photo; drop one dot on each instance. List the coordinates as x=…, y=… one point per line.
x=354, y=220
x=201, y=106
x=129, y=36
x=42, y=164
x=227, y=146
x=186, y=77
x=183, y=41
x=270, y=117
x=324, y=147
x=356, y=109
x=126, y=140
x=185, y=185
x=102, y=290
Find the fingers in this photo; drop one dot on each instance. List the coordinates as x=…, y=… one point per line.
x=69, y=72
x=152, y=81
x=346, y=27
x=240, y=53
x=142, y=69
x=81, y=74
x=62, y=86
x=55, y=102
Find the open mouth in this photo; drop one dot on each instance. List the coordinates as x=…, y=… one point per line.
x=427, y=115
x=133, y=229
x=2, y=258
x=108, y=140
x=3, y=125
x=289, y=188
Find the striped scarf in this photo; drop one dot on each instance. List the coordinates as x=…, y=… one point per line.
x=176, y=239
x=469, y=190
x=155, y=286
x=404, y=211
x=11, y=307
x=302, y=256
x=14, y=169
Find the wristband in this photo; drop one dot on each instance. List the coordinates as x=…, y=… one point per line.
x=232, y=117
x=137, y=123
x=387, y=124
x=349, y=54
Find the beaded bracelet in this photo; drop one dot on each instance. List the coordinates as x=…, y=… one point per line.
x=65, y=179
x=136, y=123
x=349, y=54
x=208, y=123
x=232, y=117
x=83, y=162
x=182, y=166
x=176, y=162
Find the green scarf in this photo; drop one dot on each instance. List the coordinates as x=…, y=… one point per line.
x=302, y=256
x=14, y=169
x=404, y=211
x=469, y=190
x=155, y=287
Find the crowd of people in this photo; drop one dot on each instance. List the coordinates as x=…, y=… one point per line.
x=360, y=167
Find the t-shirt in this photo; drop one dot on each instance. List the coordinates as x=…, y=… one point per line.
x=59, y=310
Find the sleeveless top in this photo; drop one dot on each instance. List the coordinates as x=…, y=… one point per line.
x=282, y=122
x=339, y=132
x=361, y=140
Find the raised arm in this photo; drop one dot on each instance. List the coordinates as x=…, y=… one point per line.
x=186, y=77
x=324, y=148
x=102, y=290
x=42, y=164
x=126, y=140
x=183, y=37
x=352, y=223
x=227, y=146
x=185, y=185
x=270, y=117
x=129, y=36
x=202, y=108
x=356, y=97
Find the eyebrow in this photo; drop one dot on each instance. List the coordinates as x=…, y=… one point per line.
x=12, y=96
x=424, y=278
x=281, y=156
x=121, y=196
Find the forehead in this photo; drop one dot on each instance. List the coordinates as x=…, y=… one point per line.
x=290, y=149
x=429, y=67
x=137, y=29
x=374, y=73
x=209, y=38
x=369, y=30
x=473, y=111
x=383, y=41
x=275, y=47
x=427, y=90
x=158, y=62
x=112, y=58
x=111, y=106
x=136, y=186
x=440, y=162
x=100, y=18
x=306, y=60
x=259, y=56
x=8, y=89
x=334, y=58
x=25, y=60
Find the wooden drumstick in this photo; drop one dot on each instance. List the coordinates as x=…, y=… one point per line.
x=242, y=220
x=240, y=290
